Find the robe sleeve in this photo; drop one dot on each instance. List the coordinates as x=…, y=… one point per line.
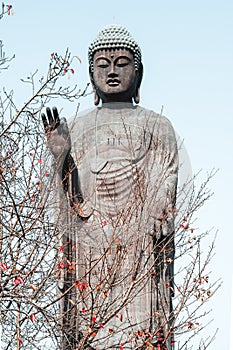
x=167, y=158
x=164, y=183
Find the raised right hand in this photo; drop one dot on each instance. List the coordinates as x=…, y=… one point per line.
x=57, y=133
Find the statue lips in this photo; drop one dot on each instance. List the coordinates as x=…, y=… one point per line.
x=113, y=82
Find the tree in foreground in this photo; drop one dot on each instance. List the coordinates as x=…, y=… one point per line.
x=63, y=286
x=6, y=9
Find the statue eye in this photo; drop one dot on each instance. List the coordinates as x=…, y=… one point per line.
x=122, y=62
x=102, y=64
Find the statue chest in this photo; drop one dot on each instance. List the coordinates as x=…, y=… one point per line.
x=112, y=162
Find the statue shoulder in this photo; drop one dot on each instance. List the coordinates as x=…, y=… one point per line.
x=83, y=120
x=153, y=119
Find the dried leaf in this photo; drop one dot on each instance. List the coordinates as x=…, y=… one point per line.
x=20, y=340
x=3, y=267
x=151, y=347
x=157, y=314
x=32, y=317
x=18, y=280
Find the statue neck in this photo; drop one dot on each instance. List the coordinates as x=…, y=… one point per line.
x=117, y=105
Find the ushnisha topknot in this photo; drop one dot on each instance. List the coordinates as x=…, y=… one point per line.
x=114, y=37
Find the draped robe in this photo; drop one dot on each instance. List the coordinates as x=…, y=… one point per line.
x=121, y=191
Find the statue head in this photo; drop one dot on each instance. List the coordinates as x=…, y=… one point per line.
x=115, y=66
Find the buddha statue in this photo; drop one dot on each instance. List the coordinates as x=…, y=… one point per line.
x=118, y=166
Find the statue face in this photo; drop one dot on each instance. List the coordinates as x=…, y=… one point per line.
x=114, y=75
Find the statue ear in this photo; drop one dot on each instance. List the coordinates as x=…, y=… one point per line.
x=138, y=84
x=96, y=96
x=136, y=96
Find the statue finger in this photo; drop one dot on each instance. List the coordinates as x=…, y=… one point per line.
x=64, y=127
x=165, y=229
x=56, y=117
x=45, y=122
x=158, y=228
x=50, y=118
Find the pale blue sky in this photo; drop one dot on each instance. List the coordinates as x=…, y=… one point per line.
x=187, y=49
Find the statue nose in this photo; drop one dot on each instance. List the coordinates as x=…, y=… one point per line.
x=112, y=73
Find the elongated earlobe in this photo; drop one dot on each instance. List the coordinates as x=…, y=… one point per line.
x=137, y=96
x=96, y=98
